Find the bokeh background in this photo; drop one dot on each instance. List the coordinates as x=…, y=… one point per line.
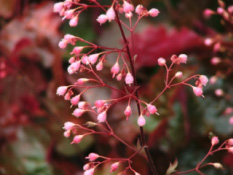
x=32, y=66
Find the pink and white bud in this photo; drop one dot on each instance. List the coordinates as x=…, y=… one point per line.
x=74, y=101
x=92, y=157
x=85, y=59
x=68, y=125
x=99, y=103
x=230, y=142
x=77, y=139
x=214, y=140
x=77, y=50
x=220, y=10
x=129, y=79
x=102, y=117
x=74, y=21
x=152, y=109
x=115, y=69
x=71, y=60
x=68, y=95
x=179, y=74
x=93, y=58
x=218, y=165
x=114, y=167
x=69, y=13
x=99, y=66
x=127, y=7
x=119, y=77
x=86, y=167
x=215, y=60
x=161, y=61
x=102, y=19
x=230, y=9
x=208, y=41
x=197, y=91
x=231, y=120
x=67, y=133
x=74, y=67
x=213, y=80
x=219, y=92
x=139, y=9
x=129, y=15
x=81, y=81
x=230, y=150
x=141, y=121
x=89, y=172
x=208, y=13
x=203, y=79
x=110, y=14
x=153, y=12
x=128, y=111
x=83, y=104
x=182, y=58
x=61, y=90
x=58, y=7
x=62, y=44
x=78, y=112
x=69, y=38
x=68, y=3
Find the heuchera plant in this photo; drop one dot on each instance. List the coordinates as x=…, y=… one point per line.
x=92, y=58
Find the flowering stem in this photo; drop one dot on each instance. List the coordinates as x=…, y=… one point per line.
x=142, y=136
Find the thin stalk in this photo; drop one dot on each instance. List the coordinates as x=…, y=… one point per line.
x=142, y=136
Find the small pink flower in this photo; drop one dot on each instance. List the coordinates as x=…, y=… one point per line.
x=215, y=60
x=219, y=92
x=128, y=111
x=99, y=66
x=230, y=9
x=114, y=167
x=153, y=12
x=119, y=77
x=71, y=60
x=217, y=47
x=182, y=58
x=179, y=74
x=83, y=104
x=62, y=44
x=85, y=59
x=81, y=81
x=68, y=125
x=68, y=95
x=93, y=58
x=86, y=166
x=214, y=140
x=69, y=13
x=74, y=101
x=208, y=13
x=141, y=121
x=78, y=112
x=74, y=67
x=208, y=42
x=74, y=21
x=69, y=38
x=129, y=79
x=89, y=172
x=115, y=69
x=61, y=90
x=99, y=103
x=197, y=91
x=230, y=149
x=110, y=14
x=151, y=108
x=77, y=50
x=67, y=133
x=129, y=15
x=231, y=120
x=213, y=80
x=68, y=3
x=220, y=10
x=58, y=7
x=203, y=79
x=230, y=142
x=102, y=117
x=139, y=9
x=77, y=139
x=127, y=7
x=92, y=157
x=161, y=61
x=102, y=19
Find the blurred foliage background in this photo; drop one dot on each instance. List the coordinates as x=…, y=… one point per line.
x=32, y=67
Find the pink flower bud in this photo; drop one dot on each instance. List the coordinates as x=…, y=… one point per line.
x=153, y=12
x=203, y=79
x=208, y=13
x=86, y=166
x=102, y=117
x=230, y=9
x=213, y=80
x=99, y=103
x=208, y=41
x=68, y=125
x=93, y=58
x=114, y=167
x=230, y=149
x=151, y=108
x=77, y=139
x=129, y=79
x=68, y=95
x=139, y=9
x=214, y=140
x=215, y=60
x=230, y=142
x=92, y=157
x=89, y=172
x=129, y=15
x=83, y=104
x=110, y=14
x=127, y=7
x=74, y=21
x=68, y=3
x=102, y=19
x=231, y=120
x=61, y=90
x=182, y=58
x=58, y=7
x=127, y=111
x=77, y=50
x=99, y=66
x=197, y=91
x=81, y=81
x=69, y=13
x=141, y=121
x=161, y=61
x=119, y=77
x=67, y=133
x=74, y=67
x=74, y=101
x=220, y=10
x=217, y=47
x=69, y=38
x=219, y=92
x=179, y=74
x=71, y=60
x=78, y=112
x=115, y=69
x=62, y=44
